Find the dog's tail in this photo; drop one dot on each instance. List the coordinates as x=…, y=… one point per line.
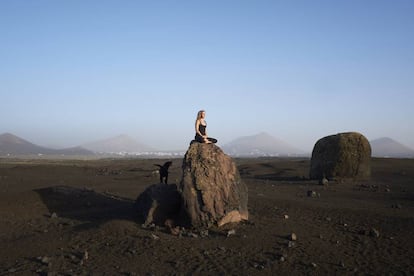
x=158, y=165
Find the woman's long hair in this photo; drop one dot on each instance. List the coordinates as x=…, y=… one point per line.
x=199, y=114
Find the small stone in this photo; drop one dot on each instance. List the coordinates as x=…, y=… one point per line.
x=312, y=194
x=328, y=219
x=314, y=265
x=285, y=216
x=324, y=181
x=204, y=233
x=53, y=215
x=387, y=190
x=45, y=260
x=231, y=232
x=291, y=244
x=192, y=235
x=293, y=237
x=155, y=237
x=175, y=231
x=374, y=233
x=282, y=259
x=258, y=266
x=85, y=255
x=342, y=264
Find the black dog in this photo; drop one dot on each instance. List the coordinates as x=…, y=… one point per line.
x=164, y=171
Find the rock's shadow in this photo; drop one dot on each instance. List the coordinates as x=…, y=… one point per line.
x=87, y=206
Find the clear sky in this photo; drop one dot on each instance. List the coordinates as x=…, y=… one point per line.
x=76, y=71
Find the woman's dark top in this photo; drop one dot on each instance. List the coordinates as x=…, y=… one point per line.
x=202, y=129
x=199, y=138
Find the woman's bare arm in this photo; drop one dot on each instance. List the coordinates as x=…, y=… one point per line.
x=197, y=124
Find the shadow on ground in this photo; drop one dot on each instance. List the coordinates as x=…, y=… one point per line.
x=87, y=206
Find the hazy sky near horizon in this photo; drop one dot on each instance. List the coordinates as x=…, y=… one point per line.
x=77, y=71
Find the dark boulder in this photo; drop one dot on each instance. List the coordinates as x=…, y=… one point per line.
x=344, y=155
x=158, y=203
x=211, y=188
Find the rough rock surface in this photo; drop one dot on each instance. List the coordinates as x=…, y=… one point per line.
x=344, y=155
x=211, y=187
x=158, y=203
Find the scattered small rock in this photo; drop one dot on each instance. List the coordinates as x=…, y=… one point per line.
x=231, y=232
x=293, y=237
x=53, y=215
x=282, y=259
x=258, y=266
x=175, y=231
x=387, y=190
x=285, y=216
x=291, y=244
x=324, y=181
x=85, y=255
x=396, y=206
x=342, y=264
x=155, y=237
x=204, y=233
x=44, y=260
x=374, y=233
x=314, y=265
x=313, y=194
x=192, y=235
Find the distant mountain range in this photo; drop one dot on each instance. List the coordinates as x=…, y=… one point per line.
x=12, y=145
x=387, y=147
x=118, y=144
x=261, y=144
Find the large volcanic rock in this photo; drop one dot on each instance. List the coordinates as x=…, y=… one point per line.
x=344, y=155
x=211, y=187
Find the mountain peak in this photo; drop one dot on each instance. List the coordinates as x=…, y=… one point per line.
x=8, y=138
x=11, y=144
x=388, y=147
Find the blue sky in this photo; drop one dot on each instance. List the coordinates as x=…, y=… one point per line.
x=77, y=71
